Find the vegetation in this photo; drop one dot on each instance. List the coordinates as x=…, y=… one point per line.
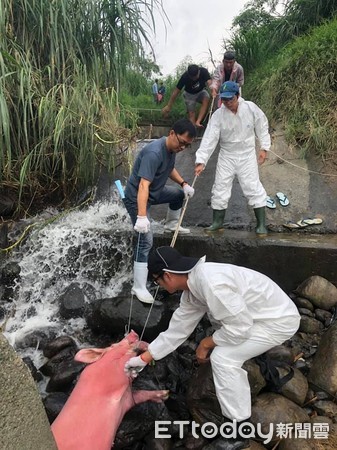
x=290, y=60
x=75, y=82
x=61, y=66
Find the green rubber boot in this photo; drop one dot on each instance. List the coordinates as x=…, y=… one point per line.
x=260, y=214
x=218, y=218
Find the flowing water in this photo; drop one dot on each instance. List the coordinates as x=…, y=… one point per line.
x=91, y=247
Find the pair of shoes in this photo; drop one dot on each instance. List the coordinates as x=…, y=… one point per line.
x=282, y=198
x=303, y=223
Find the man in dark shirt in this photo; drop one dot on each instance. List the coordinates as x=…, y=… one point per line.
x=154, y=164
x=194, y=80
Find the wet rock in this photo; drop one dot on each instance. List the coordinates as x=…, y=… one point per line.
x=321, y=419
x=301, y=302
x=323, y=316
x=33, y=370
x=51, y=366
x=274, y=408
x=111, y=315
x=255, y=378
x=281, y=353
x=153, y=443
x=53, y=403
x=323, y=371
x=326, y=408
x=58, y=344
x=310, y=325
x=37, y=339
x=297, y=444
x=65, y=375
x=201, y=399
x=72, y=302
x=319, y=291
x=306, y=312
x=295, y=389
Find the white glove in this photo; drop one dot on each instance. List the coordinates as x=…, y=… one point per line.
x=134, y=366
x=188, y=190
x=142, y=224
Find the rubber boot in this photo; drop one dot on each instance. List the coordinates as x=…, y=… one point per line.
x=171, y=222
x=218, y=218
x=139, y=282
x=260, y=214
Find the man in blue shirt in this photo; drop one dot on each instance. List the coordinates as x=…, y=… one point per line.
x=147, y=186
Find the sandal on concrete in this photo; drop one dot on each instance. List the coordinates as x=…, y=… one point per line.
x=282, y=198
x=310, y=221
x=270, y=203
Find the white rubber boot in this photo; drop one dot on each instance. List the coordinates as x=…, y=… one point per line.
x=172, y=219
x=139, y=283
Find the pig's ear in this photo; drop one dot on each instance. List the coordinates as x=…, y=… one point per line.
x=89, y=355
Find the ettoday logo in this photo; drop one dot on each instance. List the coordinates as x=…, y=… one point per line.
x=243, y=430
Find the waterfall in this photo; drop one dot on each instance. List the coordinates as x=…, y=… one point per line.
x=91, y=247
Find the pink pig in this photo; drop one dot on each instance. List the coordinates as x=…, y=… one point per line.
x=92, y=414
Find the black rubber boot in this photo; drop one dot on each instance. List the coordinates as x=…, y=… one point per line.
x=260, y=214
x=218, y=218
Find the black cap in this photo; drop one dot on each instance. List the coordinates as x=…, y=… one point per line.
x=168, y=259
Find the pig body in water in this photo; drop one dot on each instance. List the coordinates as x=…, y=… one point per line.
x=92, y=414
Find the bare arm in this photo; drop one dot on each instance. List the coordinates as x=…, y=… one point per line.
x=143, y=196
x=176, y=177
x=205, y=346
x=173, y=97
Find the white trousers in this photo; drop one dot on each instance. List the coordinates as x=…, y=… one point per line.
x=245, y=167
x=230, y=380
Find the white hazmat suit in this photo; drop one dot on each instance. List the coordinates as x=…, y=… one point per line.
x=252, y=314
x=236, y=134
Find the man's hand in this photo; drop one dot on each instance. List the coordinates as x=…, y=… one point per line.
x=204, y=348
x=262, y=156
x=134, y=366
x=142, y=224
x=198, y=169
x=188, y=190
x=166, y=110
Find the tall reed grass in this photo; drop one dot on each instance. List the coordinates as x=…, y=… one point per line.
x=61, y=65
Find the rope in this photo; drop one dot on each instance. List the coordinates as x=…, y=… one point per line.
x=302, y=168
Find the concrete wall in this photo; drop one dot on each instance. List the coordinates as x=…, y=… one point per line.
x=288, y=259
x=23, y=422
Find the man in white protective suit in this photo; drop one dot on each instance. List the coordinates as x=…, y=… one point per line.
x=251, y=313
x=235, y=126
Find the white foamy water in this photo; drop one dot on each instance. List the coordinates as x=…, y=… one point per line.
x=83, y=247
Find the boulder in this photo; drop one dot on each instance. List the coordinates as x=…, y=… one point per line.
x=270, y=408
x=319, y=291
x=323, y=372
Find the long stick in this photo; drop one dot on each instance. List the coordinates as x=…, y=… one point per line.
x=181, y=217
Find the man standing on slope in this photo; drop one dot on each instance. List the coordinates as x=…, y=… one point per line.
x=235, y=126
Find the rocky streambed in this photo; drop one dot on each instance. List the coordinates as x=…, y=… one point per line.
x=300, y=414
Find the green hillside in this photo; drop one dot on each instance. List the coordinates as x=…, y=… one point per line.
x=299, y=87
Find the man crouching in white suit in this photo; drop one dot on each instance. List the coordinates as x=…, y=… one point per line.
x=252, y=312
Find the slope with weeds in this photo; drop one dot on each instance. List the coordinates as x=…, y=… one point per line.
x=299, y=87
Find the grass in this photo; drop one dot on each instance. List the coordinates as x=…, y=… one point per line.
x=299, y=88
